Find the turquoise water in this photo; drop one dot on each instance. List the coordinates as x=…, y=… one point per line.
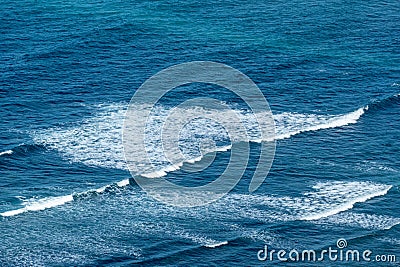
x=330, y=72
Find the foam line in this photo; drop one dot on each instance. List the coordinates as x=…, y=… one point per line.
x=326, y=200
x=164, y=171
x=347, y=205
x=314, y=123
x=41, y=204
x=214, y=245
x=7, y=152
x=287, y=125
x=51, y=202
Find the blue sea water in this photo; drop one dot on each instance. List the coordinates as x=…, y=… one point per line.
x=329, y=70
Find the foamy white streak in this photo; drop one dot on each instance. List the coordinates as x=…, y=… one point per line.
x=307, y=123
x=51, y=202
x=363, y=220
x=346, y=206
x=123, y=183
x=328, y=199
x=7, y=152
x=41, y=204
x=164, y=171
x=216, y=244
x=97, y=141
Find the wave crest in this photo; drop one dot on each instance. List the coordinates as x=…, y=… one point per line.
x=97, y=141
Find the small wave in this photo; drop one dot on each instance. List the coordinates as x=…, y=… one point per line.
x=346, y=206
x=22, y=150
x=362, y=220
x=325, y=200
x=41, y=204
x=290, y=124
x=7, y=152
x=214, y=245
x=197, y=238
x=51, y=202
x=103, y=189
x=383, y=103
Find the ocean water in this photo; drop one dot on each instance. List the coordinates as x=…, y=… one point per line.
x=329, y=70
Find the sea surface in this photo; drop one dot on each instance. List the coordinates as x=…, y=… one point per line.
x=330, y=71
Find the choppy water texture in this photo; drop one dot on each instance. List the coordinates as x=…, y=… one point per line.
x=331, y=74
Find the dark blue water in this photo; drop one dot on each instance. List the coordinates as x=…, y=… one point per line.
x=330, y=72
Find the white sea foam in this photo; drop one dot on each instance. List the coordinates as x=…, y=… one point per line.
x=123, y=183
x=51, y=202
x=362, y=220
x=97, y=141
x=392, y=241
x=40, y=204
x=373, y=166
x=289, y=124
x=94, y=142
x=325, y=200
x=101, y=189
x=345, y=195
x=342, y=207
x=7, y=152
x=218, y=244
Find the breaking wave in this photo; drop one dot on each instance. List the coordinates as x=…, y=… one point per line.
x=97, y=141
